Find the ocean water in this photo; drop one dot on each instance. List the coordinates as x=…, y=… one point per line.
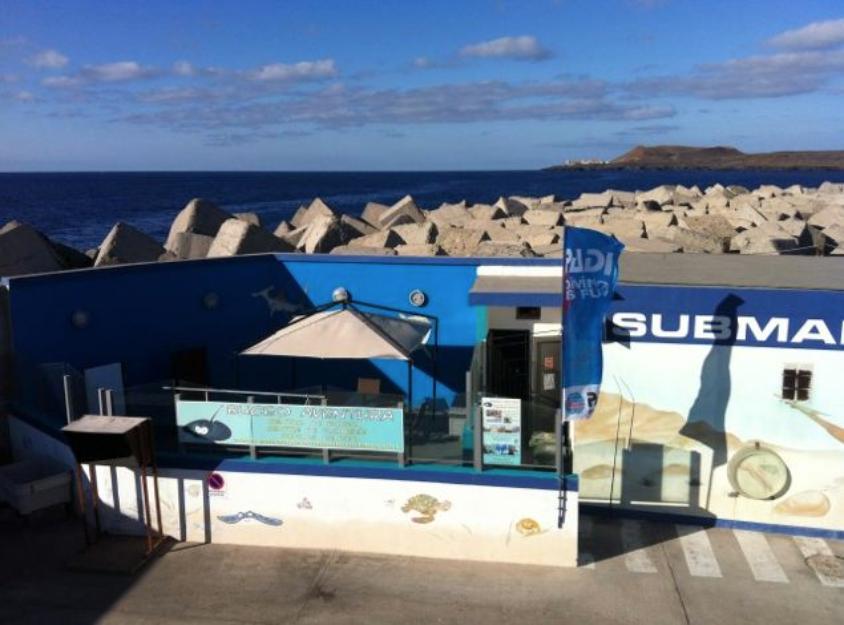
x=79, y=208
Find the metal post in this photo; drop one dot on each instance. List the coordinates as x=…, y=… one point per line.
x=558, y=447
x=157, y=499
x=80, y=491
x=147, y=519
x=409, y=446
x=558, y=420
x=253, y=451
x=478, y=436
x=68, y=398
x=402, y=457
x=326, y=453
x=176, y=399
x=435, y=367
x=95, y=496
x=101, y=400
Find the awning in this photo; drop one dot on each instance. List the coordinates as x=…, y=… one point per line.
x=345, y=333
x=517, y=291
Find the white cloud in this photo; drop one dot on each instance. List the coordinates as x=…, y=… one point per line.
x=422, y=62
x=762, y=76
x=304, y=70
x=337, y=106
x=814, y=36
x=183, y=68
x=523, y=48
x=49, y=59
x=61, y=82
x=119, y=71
x=8, y=78
x=24, y=96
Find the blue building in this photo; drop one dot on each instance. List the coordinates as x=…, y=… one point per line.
x=719, y=399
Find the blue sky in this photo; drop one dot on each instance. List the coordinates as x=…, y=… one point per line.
x=400, y=85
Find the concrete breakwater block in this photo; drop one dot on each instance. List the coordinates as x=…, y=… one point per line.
x=199, y=216
x=24, y=250
x=308, y=214
x=665, y=219
x=125, y=244
x=239, y=237
x=324, y=234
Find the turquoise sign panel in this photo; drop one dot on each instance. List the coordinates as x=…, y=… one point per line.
x=280, y=425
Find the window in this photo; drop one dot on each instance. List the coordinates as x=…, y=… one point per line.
x=796, y=383
x=528, y=312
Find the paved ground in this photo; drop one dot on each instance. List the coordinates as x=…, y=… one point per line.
x=633, y=573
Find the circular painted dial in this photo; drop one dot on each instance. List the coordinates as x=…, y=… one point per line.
x=759, y=473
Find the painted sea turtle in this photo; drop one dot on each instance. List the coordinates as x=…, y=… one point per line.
x=425, y=505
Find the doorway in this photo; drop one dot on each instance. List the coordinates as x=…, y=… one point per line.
x=508, y=363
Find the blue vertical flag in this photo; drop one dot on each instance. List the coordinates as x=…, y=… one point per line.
x=590, y=273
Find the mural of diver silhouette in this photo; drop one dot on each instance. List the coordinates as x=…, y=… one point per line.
x=234, y=519
x=208, y=429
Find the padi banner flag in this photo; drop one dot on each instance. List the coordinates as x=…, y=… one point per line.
x=589, y=276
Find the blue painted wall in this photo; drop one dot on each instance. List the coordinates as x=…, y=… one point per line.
x=139, y=315
x=389, y=284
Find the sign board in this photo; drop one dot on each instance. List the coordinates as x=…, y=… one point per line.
x=502, y=424
x=282, y=425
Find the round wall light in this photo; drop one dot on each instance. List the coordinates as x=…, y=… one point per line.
x=80, y=319
x=340, y=295
x=417, y=298
x=210, y=301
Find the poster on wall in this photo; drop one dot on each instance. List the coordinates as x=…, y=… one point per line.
x=502, y=423
x=282, y=425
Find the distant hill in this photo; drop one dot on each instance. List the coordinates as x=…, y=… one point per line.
x=719, y=157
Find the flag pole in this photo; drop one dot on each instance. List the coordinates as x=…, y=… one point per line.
x=558, y=422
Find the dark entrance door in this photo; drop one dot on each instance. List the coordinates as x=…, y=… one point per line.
x=189, y=367
x=508, y=363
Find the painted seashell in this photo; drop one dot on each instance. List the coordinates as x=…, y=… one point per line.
x=808, y=503
x=528, y=527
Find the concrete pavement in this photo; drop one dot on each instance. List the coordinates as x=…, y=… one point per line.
x=635, y=573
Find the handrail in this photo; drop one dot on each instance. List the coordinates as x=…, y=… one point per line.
x=200, y=389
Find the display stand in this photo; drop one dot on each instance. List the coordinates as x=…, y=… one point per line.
x=116, y=441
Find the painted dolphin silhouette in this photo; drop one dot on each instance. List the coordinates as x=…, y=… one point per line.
x=276, y=302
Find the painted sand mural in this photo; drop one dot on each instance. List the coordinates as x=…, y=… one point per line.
x=636, y=455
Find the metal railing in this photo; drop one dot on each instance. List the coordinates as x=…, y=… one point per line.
x=224, y=391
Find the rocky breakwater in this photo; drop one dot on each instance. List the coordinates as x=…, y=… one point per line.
x=666, y=219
